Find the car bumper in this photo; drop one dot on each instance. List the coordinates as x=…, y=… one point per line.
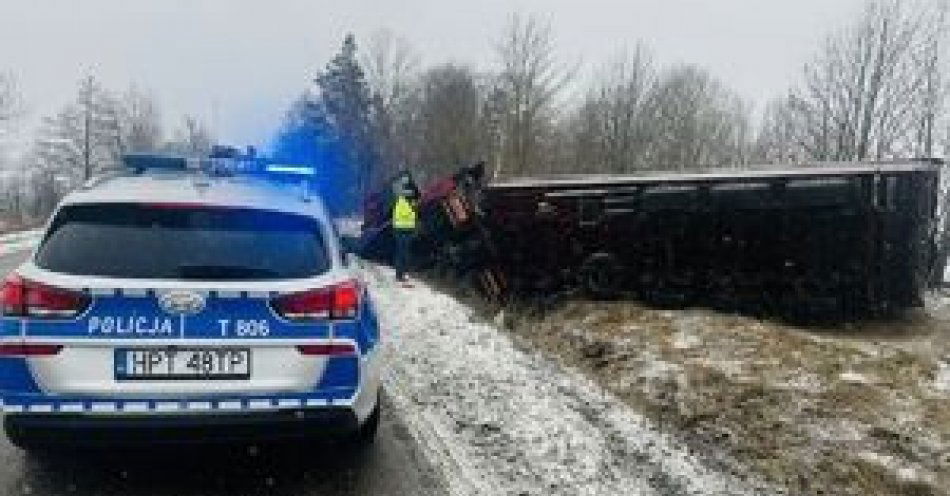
x=84, y=430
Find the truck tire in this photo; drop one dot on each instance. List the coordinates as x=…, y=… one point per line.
x=600, y=275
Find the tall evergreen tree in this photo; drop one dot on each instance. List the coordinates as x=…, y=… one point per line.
x=308, y=137
x=345, y=100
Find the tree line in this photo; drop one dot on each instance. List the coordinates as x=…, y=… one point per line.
x=874, y=89
x=87, y=136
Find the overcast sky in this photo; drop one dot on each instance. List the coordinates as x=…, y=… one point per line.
x=237, y=64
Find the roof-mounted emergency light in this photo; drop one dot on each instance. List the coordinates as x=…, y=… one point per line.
x=224, y=151
x=302, y=170
x=140, y=162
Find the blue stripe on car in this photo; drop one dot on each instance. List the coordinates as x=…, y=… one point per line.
x=15, y=376
x=25, y=402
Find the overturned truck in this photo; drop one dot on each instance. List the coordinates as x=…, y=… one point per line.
x=846, y=240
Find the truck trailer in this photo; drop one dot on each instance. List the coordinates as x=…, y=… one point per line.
x=811, y=241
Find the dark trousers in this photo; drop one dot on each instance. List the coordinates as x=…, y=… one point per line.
x=403, y=251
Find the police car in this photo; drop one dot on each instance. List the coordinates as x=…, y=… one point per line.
x=167, y=305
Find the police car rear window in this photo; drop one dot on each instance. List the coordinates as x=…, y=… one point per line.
x=166, y=241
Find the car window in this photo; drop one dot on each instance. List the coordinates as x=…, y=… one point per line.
x=182, y=242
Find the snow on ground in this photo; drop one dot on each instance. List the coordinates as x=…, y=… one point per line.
x=942, y=380
x=19, y=241
x=495, y=419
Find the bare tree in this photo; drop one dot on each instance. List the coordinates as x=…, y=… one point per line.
x=101, y=133
x=192, y=139
x=59, y=152
x=82, y=139
x=696, y=122
x=11, y=100
x=391, y=67
x=776, y=142
x=874, y=91
x=529, y=80
x=452, y=118
x=930, y=114
x=11, y=109
x=11, y=184
x=611, y=132
x=140, y=121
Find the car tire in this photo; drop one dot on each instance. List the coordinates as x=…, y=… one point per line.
x=24, y=438
x=366, y=433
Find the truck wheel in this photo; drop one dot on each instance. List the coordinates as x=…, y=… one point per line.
x=600, y=275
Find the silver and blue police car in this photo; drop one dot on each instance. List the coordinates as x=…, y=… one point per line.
x=172, y=305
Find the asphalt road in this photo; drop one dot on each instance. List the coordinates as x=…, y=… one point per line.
x=393, y=466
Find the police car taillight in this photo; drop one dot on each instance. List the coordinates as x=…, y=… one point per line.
x=23, y=298
x=29, y=349
x=341, y=301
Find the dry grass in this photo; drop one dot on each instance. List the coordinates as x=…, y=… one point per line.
x=850, y=410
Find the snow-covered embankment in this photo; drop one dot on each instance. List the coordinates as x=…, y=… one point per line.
x=498, y=420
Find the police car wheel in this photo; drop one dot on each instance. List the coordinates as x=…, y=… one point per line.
x=23, y=438
x=366, y=434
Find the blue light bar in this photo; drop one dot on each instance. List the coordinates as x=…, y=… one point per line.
x=143, y=161
x=291, y=169
x=224, y=151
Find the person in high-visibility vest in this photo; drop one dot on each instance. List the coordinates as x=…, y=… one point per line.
x=404, y=229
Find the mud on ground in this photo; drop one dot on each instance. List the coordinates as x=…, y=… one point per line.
x=856, y=409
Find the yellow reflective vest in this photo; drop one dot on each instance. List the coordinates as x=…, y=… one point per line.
x=404, y=216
